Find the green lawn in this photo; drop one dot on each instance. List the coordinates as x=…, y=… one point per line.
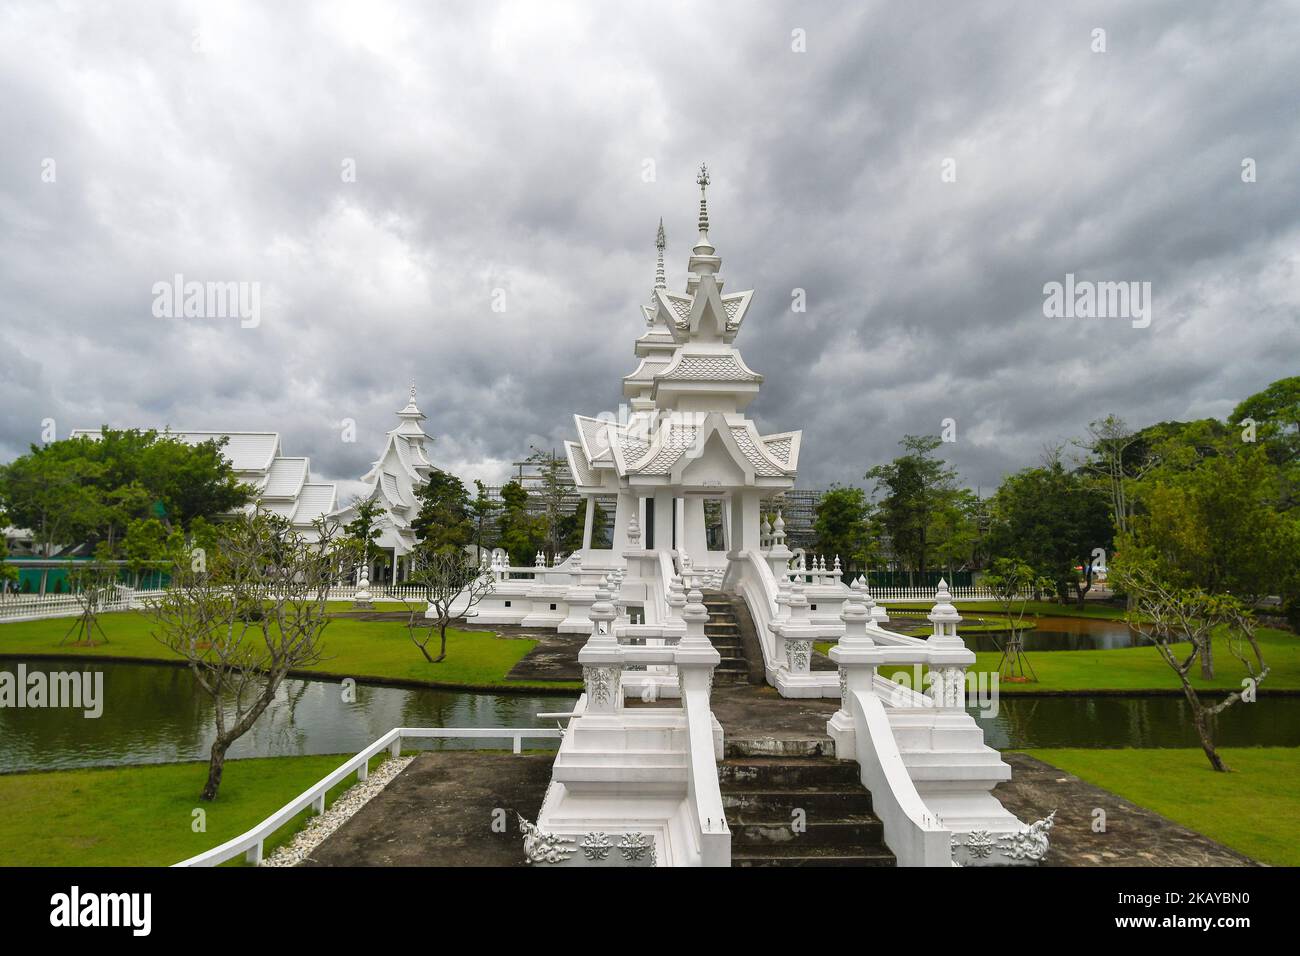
x=353, y=648
x=1255, y=809
x=143, y=815
x=1131, y=668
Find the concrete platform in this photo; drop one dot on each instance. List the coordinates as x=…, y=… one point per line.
x=439, y=812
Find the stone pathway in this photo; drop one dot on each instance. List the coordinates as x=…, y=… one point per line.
x=440, y=812
x=1134, y=836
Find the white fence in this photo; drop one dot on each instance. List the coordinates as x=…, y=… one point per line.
x=251, y=842
x=35, y=607
x=883, y=595
x=16, y=606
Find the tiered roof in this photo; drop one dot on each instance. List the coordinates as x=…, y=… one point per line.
x=691, y=385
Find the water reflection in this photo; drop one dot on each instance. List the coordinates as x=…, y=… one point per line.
x=157, y=714
x=1107, y=721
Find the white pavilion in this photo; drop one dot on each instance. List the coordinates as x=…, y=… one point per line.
x=393, y=480
x=631, y=773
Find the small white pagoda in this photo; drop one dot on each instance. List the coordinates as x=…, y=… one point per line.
x=401, y=469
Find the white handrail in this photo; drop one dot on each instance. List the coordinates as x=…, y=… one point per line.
x=251, y=842
x=915, y=836
x=705, y=794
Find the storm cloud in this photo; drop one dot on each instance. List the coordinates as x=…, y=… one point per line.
x=522, y=154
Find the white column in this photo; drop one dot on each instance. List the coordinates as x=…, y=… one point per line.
x=663, y=505
x=587, y=523
x=696, y=537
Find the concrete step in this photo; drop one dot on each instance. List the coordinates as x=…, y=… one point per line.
x=802, y=854
x=786, y=773
x=723, y=678
x=851, y=830
x=778, y=804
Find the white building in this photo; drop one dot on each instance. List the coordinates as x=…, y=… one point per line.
x=393, y=479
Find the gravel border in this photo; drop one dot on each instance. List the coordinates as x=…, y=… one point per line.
x=338, y=813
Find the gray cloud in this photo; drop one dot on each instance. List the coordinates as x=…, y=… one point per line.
x=501, y=146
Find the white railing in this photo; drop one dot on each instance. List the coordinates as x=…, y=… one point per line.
x=757, y=586
x=35, y=607
x=882, y=595
x=251, y=842
x=702, y=788
x=912, y=832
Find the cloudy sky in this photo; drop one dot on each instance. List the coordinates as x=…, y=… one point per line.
x=532, y=148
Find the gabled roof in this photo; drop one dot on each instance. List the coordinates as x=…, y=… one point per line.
x=285, y=477
x=315, y=501
x=584, y=476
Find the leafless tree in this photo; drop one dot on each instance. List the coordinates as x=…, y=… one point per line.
x=450, y=584
x=1181, y=624
x=246, y=615
x=93, y=584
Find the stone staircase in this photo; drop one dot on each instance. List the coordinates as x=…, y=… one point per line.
x=723, y=632
x=836, y=827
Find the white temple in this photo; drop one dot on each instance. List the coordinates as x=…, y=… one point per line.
x=393, y=479
x=633, y=773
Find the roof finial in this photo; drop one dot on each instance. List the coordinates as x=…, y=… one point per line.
x=703, y=180
x=412, y=389
x=660, y=244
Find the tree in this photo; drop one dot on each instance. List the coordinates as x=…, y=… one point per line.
x=552, y=489
x=92, y=584
x=247, y=613
x=451, y=585
x=916, y=485
x=1013, y=583
x=1053, y=520
x=8, y=573
x=481, y=510
x=443, y=522
x=521, y=534
x=88, y=490
x=840, y=524
x=1276, y=414
x=1216, y=529
x=572, y=526
x=1169, y=616
x=364, y=529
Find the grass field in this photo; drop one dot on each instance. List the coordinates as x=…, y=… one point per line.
x=1255, y=809
x=144, y=815
x=1131, y=668
x=353, y=648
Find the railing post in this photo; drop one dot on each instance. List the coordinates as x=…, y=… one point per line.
x=253, y=854
x=518, y=744
x=363, y=772
x=395, y=748
x=319, y=803
x=602, y=658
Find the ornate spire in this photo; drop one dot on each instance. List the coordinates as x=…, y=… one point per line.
x=703, y=180
x=660, y=244
x=703, y=260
